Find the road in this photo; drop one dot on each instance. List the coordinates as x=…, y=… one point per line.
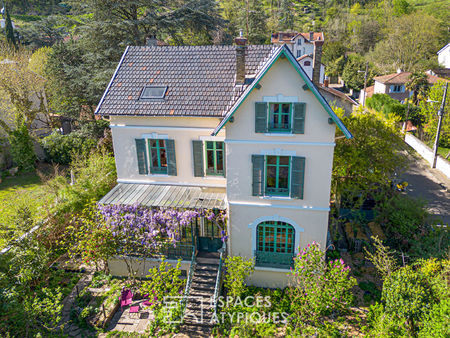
x=430, y=185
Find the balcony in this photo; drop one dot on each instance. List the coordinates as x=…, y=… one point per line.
x=274, y=259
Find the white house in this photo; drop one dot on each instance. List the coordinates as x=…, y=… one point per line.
x=444, y=56
x=238, y=128
x=299, y=43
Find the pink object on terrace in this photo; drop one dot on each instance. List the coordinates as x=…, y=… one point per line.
x=134, y=309
x=126, y=298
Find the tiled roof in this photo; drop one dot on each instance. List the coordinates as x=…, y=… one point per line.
x=337, y=93
x=402, y=78
x=200, y=80
x=287, y=37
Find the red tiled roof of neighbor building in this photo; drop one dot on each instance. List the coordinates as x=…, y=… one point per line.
x=282, y=37
x=402, y=78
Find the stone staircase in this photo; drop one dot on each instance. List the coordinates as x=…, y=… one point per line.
x=198, y=317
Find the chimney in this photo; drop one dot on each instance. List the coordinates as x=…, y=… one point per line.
x=241, y=49
x=326, y=82
x=311, y=36
x=317, y=61
x=151, y=41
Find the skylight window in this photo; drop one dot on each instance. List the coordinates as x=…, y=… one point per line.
x=154, y=92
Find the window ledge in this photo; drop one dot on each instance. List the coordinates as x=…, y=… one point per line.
x=279, y=134
x=266, y=268
x=283, y=198
x=158, y=175
x=212, y=177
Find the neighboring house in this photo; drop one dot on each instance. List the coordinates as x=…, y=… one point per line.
x=395, y=85
x=444, y=56
x=237, y=128
x=337, y=98
x=3, y=24
x=307, y=62
x=299, y=43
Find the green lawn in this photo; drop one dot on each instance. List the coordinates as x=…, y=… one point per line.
x=19, y=195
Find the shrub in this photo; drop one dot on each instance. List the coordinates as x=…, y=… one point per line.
x=92, y=238
x=383, y=103
x=22, y=148
x=237, y=270
x=61, y=149
x=318, y=288
x=404, y=219
x=94, y=177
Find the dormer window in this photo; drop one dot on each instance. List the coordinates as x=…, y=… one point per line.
x=153, y=92
x=299, y=41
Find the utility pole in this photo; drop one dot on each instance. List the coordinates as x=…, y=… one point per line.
x=365, y=82
x=438, y=131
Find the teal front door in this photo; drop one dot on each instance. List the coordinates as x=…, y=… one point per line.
x=209, y=236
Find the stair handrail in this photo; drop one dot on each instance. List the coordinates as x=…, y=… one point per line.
x=188, y=284
x=218, y=286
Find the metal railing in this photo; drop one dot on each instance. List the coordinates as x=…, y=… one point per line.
x=274, y=259
x=218, y=286
x=188, y=284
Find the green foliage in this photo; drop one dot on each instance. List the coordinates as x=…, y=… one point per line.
x=404, y=220
x=237, y=270
x=91, y=238
x=414, y=302
x=352, y=78
x=383, y=103
x=164, y=287
x=405, y=45
x=318, y=288
x=61, y=149
x=94, y=177
x=430, y=109
x=406, y=294
x=382, y=258
x=22, y=148
x=164, y=283
x=9, y=30
x=367, y=162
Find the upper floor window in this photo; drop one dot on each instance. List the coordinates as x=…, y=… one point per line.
x=307, y=63
x=158, y=157
x=280, y=117
x=209, y=158
x=277, y=175
x=397, y=89
x=214, y=157
x=299, y=41
x=156, y=154
x=299, y=53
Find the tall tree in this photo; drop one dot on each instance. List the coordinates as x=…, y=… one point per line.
x=286, y=15
x=418, y=84
x=139, y=19
x=9, y=30
x=411, y=44
x=256, y=22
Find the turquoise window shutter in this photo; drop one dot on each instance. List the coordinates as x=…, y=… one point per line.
x=197, y=147
x=171, y=158
x=258, y=175
x=298, y=126
x=297, y=177
x=141, y=156
x=260, y=117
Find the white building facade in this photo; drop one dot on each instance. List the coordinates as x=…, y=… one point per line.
x=267, y=154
